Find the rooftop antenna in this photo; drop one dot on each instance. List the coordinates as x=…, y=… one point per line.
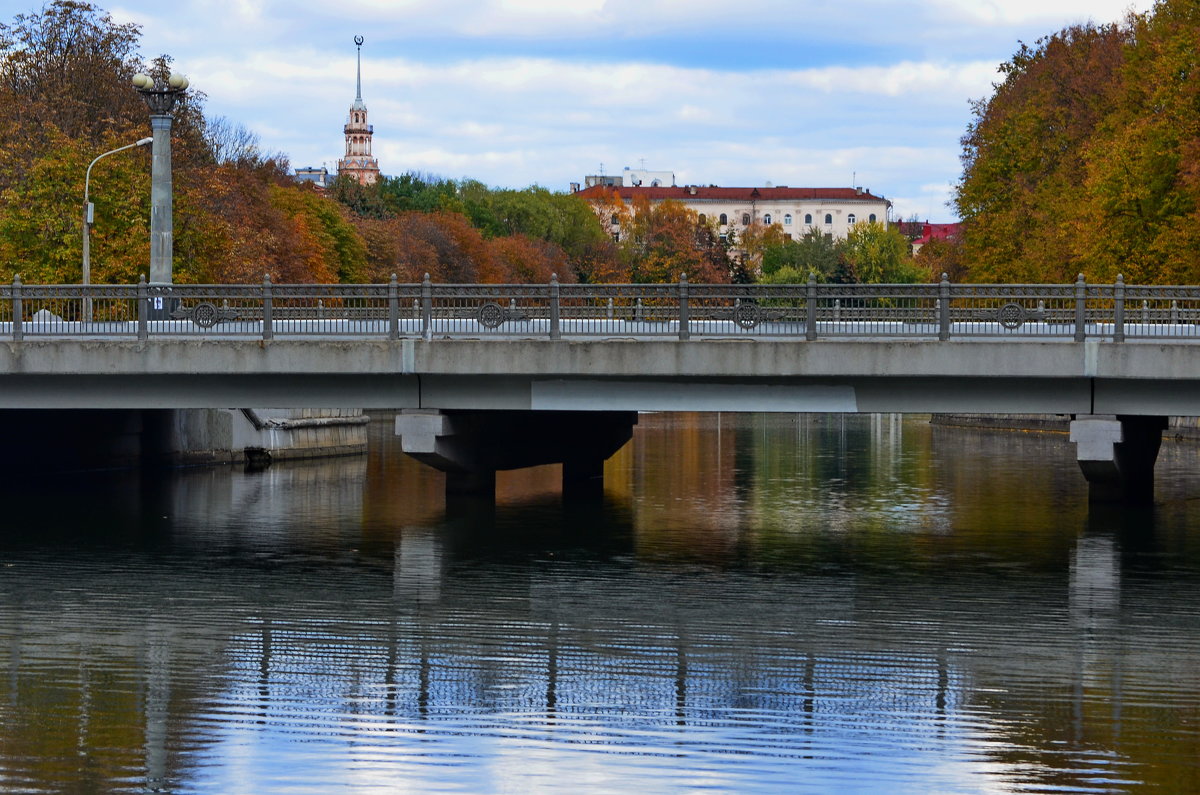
x=643, y=162
x=602, y=169
x=854, y=179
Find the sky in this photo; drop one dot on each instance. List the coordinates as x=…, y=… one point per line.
x=812, y=93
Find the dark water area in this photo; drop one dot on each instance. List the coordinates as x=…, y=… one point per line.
x=761, y=603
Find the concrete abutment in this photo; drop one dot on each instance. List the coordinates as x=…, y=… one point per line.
x=65, y=440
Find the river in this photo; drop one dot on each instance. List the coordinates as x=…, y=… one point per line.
x=761, y=603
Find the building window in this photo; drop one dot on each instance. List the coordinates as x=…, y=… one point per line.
x=615, y=220
x=787, y=219
x=850, y=219
x=724, y=219
x=767, y=219
x=617, y=237
x=703, y=218
x=745, y=219
x=871, y=217
x=828, y=218
x=808, y=219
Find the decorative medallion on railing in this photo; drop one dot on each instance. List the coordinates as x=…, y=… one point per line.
x=746, y=315
x=491, y=315
x=1011, y=316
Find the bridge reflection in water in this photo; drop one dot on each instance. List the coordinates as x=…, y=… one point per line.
x=758, y=602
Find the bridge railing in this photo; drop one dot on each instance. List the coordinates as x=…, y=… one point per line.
x=810, y=311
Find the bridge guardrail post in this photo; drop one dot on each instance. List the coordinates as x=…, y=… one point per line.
x=944, y=308
x=267, y=305
x=1119, y=309
x=684, y=323
x=810, y=308
x=426, y=308
x=18, y=316
x=555, y=308
x=1080, y=308
x=143, y=308
x=394, y=308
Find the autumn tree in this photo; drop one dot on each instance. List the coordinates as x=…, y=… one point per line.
x=69, y=67
x=1142, y=186
x=942, y=255
x=1024, y=155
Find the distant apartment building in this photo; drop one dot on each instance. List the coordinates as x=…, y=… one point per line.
x=317, y=176
x=830, y=211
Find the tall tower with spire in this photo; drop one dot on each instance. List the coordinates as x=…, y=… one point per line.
x=358, y=162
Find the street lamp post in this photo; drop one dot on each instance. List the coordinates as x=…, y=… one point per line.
x=160, y=98
x=88, y=218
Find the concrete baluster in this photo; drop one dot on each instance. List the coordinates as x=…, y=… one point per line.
x=684, y=330
x=1119, y=309
x=1080, y=309
x=555, y=308
x=393, y=308
x=944, y=308
x=18, y=330
x=268, y=331
x=143, y=308
x=810, y=308
x=426, y=308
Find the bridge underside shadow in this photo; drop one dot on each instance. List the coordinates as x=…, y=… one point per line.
x=1116, y=453
x=471, y=446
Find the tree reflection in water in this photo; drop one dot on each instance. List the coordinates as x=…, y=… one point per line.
x=759, y=603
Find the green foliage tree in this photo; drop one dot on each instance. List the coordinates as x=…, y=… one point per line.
x=813, y=253
x=874, y=253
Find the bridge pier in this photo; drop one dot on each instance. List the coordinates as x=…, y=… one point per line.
x=471, y=446
x=1117, y=455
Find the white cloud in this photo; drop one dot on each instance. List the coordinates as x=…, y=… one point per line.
x=1011, y=12
x=520, y=91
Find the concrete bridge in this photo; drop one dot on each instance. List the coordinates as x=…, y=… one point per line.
x=491, y=377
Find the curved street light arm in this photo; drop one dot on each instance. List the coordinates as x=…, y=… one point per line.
x=88, y=178
x=86, y=271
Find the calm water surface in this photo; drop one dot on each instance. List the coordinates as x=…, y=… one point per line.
x=762, y=603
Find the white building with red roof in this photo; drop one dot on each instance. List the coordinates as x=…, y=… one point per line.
x=831, y=211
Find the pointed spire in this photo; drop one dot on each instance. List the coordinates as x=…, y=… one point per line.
x=358, y=100
x=358, y=41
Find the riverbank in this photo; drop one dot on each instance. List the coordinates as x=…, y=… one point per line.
x=1179, y=429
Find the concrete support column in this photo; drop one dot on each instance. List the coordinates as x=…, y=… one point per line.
x=1117, y=455
x=583, y=478
x=162, y=228
x=471, y=446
